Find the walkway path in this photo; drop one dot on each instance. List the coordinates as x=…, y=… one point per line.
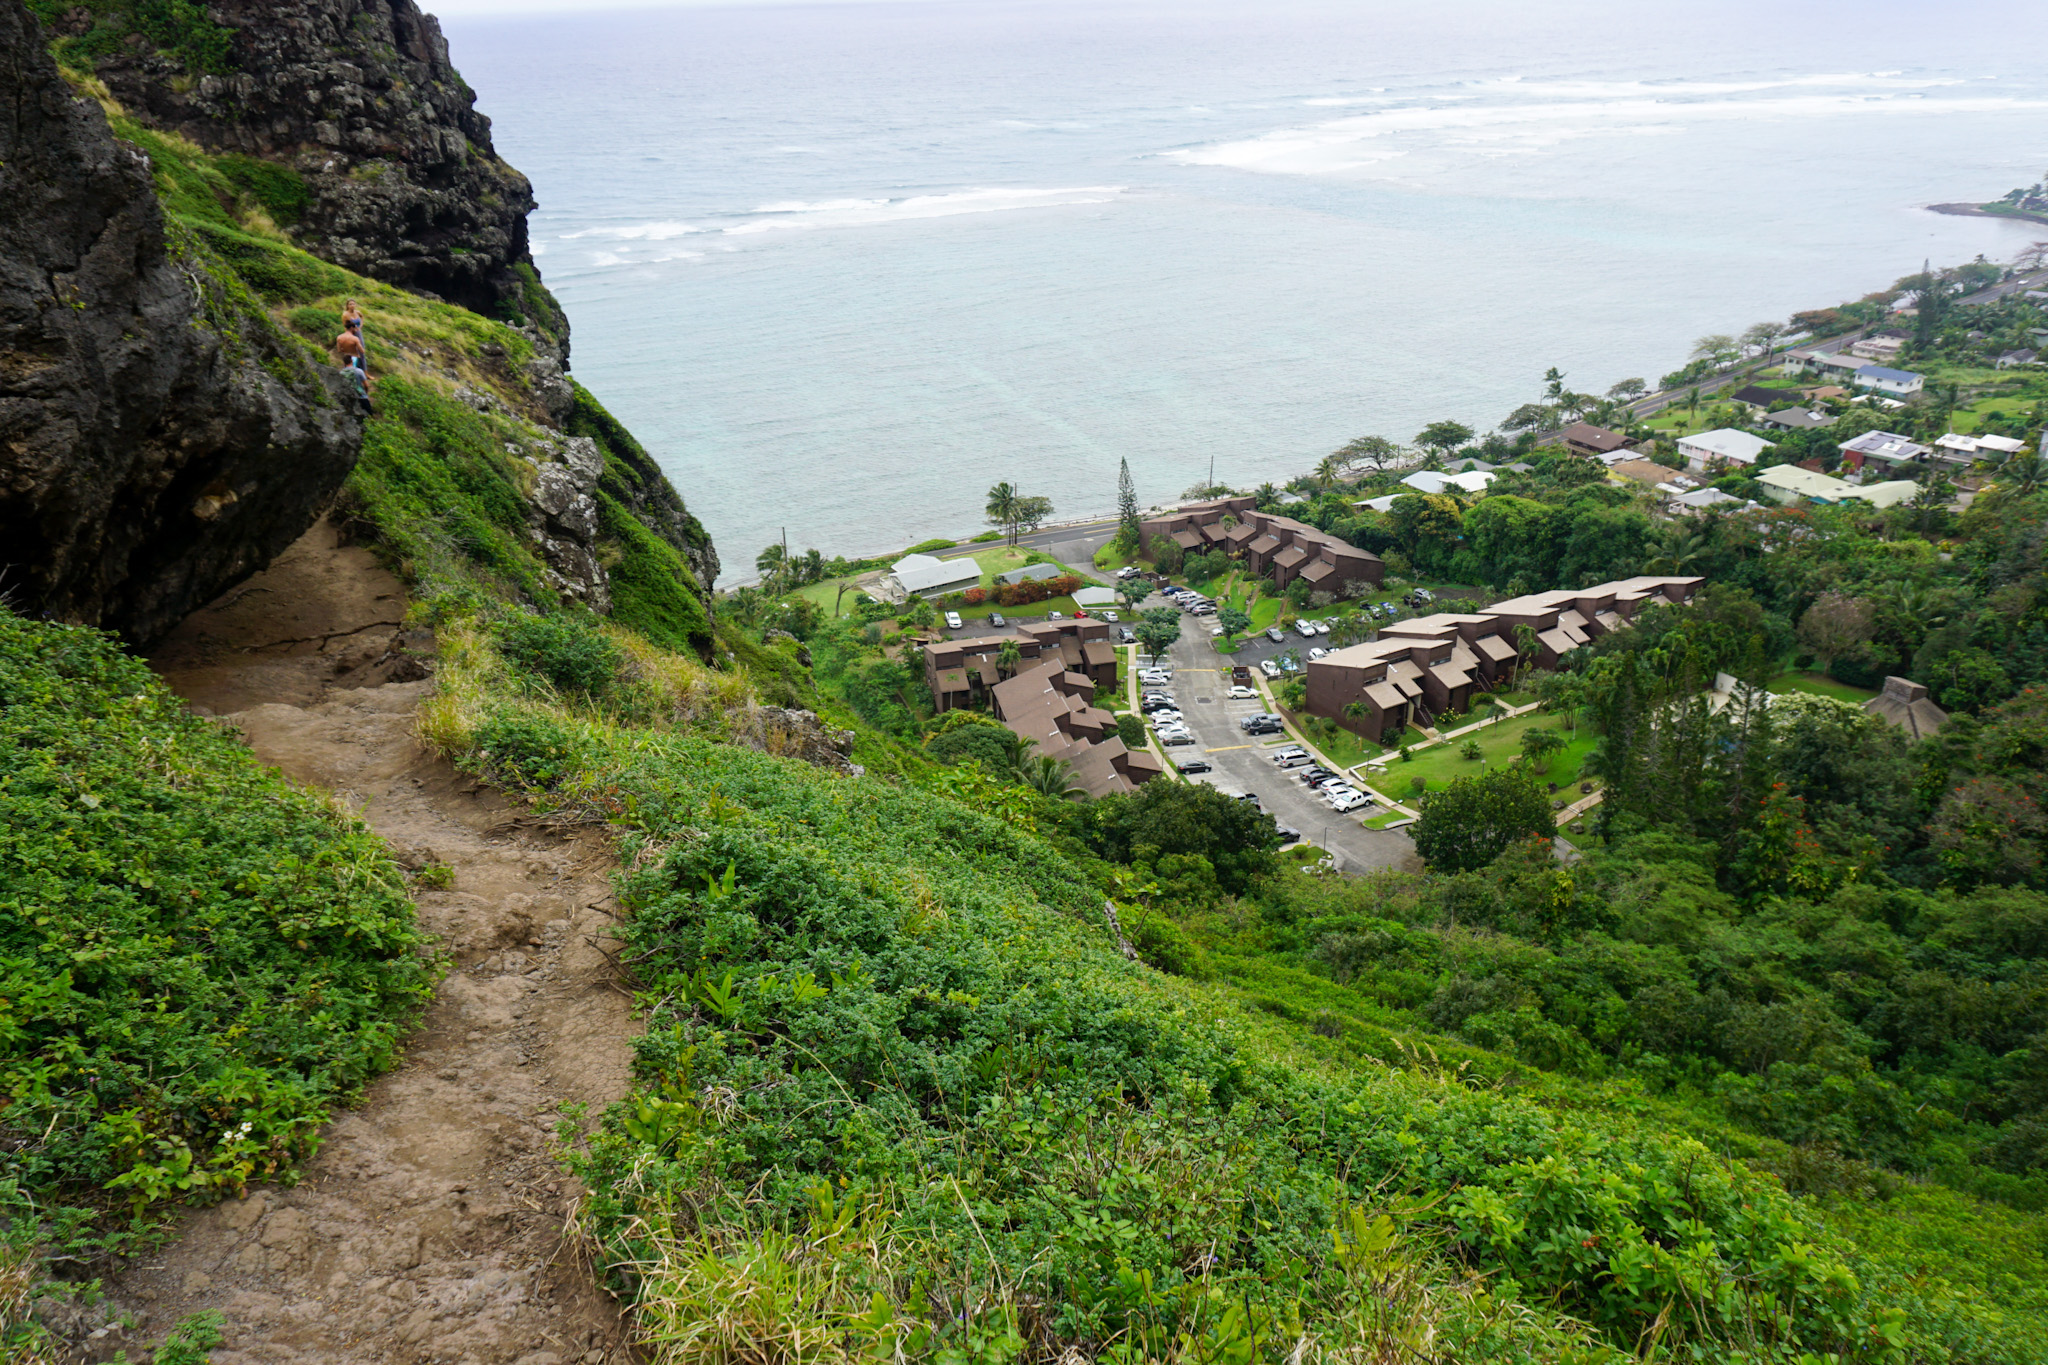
x=430, y=1225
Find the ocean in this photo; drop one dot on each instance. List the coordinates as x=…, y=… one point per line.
x=842, y=267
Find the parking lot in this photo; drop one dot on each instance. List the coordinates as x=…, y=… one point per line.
x=1242, y=763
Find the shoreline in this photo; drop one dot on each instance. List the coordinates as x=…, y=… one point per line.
x=1980, y=211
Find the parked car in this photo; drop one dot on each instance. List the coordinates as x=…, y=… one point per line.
x=952, y=620
x=1319, y=653
x=1288, y=834
x=1127, y=636
x=1334, y=782
x=1311, y=776
x=1169, y=717
x=1240, y=692
x=1269, y=668
x=1349, y=801
x=1292, y=758
x=996, y=618
x=1421, y=597
x=1256, y=718
x=1305, y=629
x=1176, y=738
x=1290, y=664
x=1055, y=616
x=1252, y=797
x=1271, y=727
x=1195, y=764
x=1108, y=616
x=1127, y=571
x=1273, y=634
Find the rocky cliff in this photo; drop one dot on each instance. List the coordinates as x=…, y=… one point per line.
x=159, y=440
x=389, y=168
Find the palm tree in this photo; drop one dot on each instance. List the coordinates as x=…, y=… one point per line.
x=1049, y=776
x=1003, y=504
x=2021, y=475
x=1265, y=497
x=1678, y=552
x=772, y=563
x=1330, y=469
x=1007, y=659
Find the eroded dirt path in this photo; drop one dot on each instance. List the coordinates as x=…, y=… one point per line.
x=430, y=1225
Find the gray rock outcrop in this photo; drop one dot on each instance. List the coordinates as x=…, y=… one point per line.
x=158, y=442
x=359, y=99
x=562, y=518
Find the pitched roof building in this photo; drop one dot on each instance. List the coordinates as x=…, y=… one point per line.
x=1055, y=709
x=1270, y=545
x=1583, y=438
x=1905, y=703
x=1725, y=444
x=1420, y=669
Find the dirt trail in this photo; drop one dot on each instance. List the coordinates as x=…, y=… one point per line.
x=429, y=1227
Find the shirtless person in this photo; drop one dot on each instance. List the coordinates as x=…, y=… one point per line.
x=354, y=360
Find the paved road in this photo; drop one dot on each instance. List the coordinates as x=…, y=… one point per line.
x=1201, y=685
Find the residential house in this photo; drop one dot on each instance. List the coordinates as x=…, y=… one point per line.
x=1762, y=399
x=1797, y=419
x=1890, y=493
x=1828, y=363
x=1905, y=703
x=1789, y=484
x=962, y=672
x=1430, y=481
x=1899, y=383
x=1583, y=438
x=1032, y=572
x=1268, y=544
x=1884, y=448
x=925, y=576
x=1054, y=708
x=1702, y=498
x=1420, y=669
x=1082, y=645
x=2014, y=359
x=1637, y=474
x=1725, y=444
x=1880, y=347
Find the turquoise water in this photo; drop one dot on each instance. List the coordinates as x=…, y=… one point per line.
x=843, y=267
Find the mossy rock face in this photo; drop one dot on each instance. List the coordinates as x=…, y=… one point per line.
x=175, y=438
x=253, y=81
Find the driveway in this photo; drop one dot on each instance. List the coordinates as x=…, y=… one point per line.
x=1201, y=684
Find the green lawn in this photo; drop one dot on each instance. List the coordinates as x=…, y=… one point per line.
x=1346, y=749
x=827, y=592
x=1439, y=764
x=1384, y=819
x=1820, y=684
x=1109, y=559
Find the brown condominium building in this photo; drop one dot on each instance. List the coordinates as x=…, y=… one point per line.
x=1418, y=670
x=1049, y=699
x=1271, y=546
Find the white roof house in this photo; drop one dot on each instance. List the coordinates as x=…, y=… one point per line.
x=926, y=576
x=1724, y=443
x=2003, y=445
x=1788, y=483
x=1708, y=497
x=1885, y=447
x=1901, y=382
x=1094, y=597
x=1887, y=494
x=1385, y=504
x=1428, y=481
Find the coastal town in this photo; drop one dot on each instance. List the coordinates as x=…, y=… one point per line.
x=1362, y=621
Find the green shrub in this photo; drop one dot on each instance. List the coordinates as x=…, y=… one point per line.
x=319, y=325
x=196, y=958
x=925, y=547
x=280, y=190
x=564, y=649
x=524, y=747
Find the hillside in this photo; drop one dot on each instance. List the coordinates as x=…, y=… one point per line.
x=931, y=1066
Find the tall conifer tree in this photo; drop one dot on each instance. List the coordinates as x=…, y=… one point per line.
x=1126, y=507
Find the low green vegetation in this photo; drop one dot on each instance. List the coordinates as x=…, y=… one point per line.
x=200, y=960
